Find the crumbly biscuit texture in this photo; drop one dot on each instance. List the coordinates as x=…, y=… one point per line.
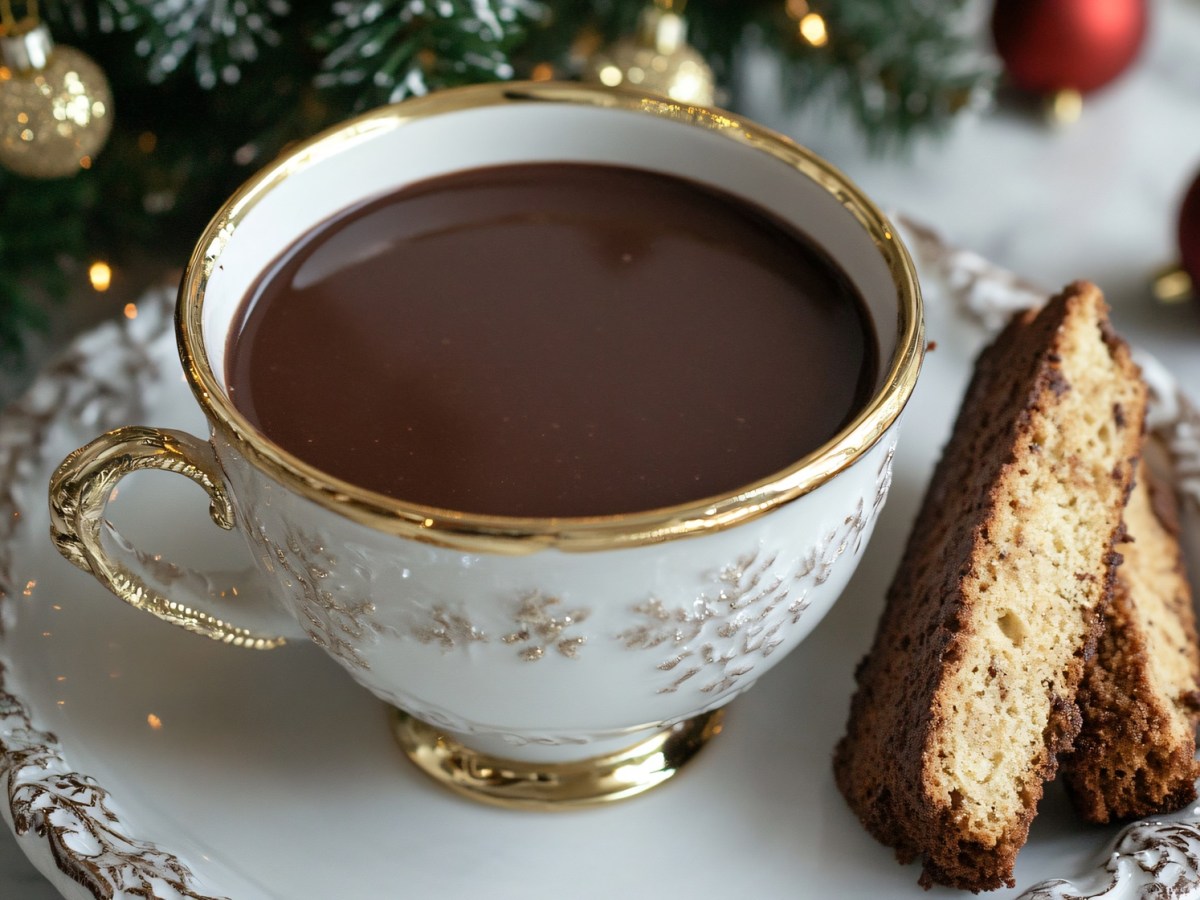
x=1135, y=755
x=968, y=693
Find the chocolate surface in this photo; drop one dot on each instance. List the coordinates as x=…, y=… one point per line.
x=552, y=340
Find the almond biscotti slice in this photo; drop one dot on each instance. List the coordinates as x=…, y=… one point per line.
x=1140, y=696
x=968, y=693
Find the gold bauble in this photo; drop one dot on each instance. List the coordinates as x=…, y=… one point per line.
x=658, y=58
x=55, y=106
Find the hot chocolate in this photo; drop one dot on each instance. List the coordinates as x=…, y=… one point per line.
x=552, y=340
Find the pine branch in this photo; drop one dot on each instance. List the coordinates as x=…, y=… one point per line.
x=387, y=50
x=218, y=37
x=901, y=67
x=186, y=136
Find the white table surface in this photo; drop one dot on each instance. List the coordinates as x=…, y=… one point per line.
x=1096, y=200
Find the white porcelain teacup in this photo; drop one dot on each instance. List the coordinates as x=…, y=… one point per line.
x=536, y=661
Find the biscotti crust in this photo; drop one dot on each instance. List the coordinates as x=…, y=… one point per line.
x=998, y=598
x=1135, y=754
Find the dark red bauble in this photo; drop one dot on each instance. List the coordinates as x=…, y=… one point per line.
x=1054, y=45
x=1189, y=233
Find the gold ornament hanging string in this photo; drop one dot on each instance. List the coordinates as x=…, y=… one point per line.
x=25, y=43
x=657, y=57
x=11, y=25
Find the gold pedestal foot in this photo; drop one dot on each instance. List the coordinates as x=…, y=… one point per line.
x=533, y=785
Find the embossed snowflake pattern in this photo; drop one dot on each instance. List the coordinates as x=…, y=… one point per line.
x=661, y=625
x=448, y=630
x=336, y=623
x=744, y=596
x=750, y=603
x=542, y=626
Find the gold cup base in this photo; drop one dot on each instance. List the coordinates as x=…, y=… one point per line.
x=550, y=786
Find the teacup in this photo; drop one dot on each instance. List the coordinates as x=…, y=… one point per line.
x=532, y=662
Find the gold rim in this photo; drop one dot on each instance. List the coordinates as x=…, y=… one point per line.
x=513, y=535
x=554, y=786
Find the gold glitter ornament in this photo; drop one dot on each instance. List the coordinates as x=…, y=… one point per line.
x=55, y=103
x=658, y=58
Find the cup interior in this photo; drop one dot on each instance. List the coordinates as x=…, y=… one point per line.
x=376, y=156
x=490, y=125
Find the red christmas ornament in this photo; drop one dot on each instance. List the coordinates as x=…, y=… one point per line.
x=1189, y=233
x=1056, y=45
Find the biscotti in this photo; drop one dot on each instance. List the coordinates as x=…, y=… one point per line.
x=1135, y=755
x=968, y=693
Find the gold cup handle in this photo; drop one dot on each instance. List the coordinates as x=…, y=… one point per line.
x=79, y=493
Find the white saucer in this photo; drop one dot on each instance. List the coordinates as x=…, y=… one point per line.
x=186, y=768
